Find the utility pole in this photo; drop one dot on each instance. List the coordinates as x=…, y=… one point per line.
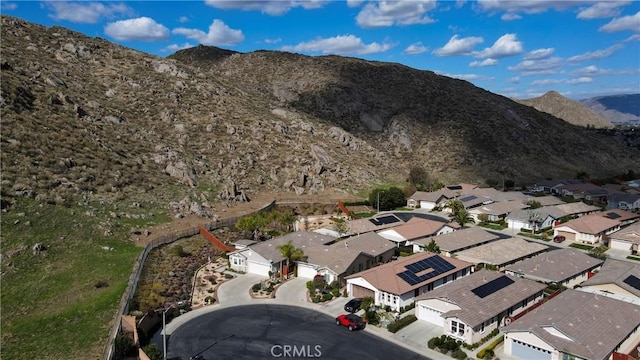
x=164, y=331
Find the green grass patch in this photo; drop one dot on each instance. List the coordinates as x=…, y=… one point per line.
x=51, y=307
x=492, y=226
x=635, y=258
x=581, y=246
x=529, y=235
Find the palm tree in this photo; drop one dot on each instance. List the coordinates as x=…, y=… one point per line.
x=455, y=205
x=291, y=253
x=462, y=217
x=287, y=219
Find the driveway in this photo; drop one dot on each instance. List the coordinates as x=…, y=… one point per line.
x=293, y=292
x=236, y=291
x=416, y=335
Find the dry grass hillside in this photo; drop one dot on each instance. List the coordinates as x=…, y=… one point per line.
x=568, y=110
x=84, y=117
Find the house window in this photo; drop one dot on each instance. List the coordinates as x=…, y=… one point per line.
x=482, y=327
x=395, y=299
x=457, y=328
x=444, y=280
x=235, y=261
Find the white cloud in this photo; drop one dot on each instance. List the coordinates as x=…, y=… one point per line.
x=506, y=45
x=514, y=80
x=354, y=3
x=600, y=10
x=593, y=70
x=7, y=6
x=539, y=54
x=341, y=45
x=219, y=34
x=631, y=22
x=485, y=62
x=273, y=41
x=389, y=13
x=85, y=12
x=183, y=19
x=176, y=47
x=547, y=82
x=596, y=55
x=458, y=46
x=138, y=29
x=416, y=48
x=537, y=67
x=527, y=6
x=510, y=16
x=467, y=77
x=270, y=7
x=580, y=80
x=634, y=37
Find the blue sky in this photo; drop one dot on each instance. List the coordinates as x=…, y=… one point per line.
x=520, y=48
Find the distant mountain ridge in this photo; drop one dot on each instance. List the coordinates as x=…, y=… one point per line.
x=621, y=109
x=568, y=110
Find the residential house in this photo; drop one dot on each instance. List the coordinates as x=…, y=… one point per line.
x=547, y=216
x=471, y=307
x=622, y=216
x=243, y=243
x=632, y=183
x=430, y=200
x=547, y=186
x=496, y=211
x=547, y=200
x=456, y=241
x=345, y=257
x=589, y=229
x=624, y=201
x=627, y=239
x=501, y=253
x=417, y=228
x=265, y=258
x=575, y=325
x=567, y=267
x=374, y=223
x=618, y=279
x=397, y=283
x=587, y=191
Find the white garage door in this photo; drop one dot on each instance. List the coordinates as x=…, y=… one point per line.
x=258, y=269
x=429, y=315
x=427, y=205
x=306, y=271
x=527, y=352
x=620, y=245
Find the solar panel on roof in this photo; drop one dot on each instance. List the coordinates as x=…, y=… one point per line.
x=455, y=187
x=492, y=286
x=384, y=220
x=468, y=198
x=437, y=263
x=612, y=215
x=598, y=192
x=633, y=281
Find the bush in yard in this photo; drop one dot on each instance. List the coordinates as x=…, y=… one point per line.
x=372, y=317
x=327, y=297
x=397, y=325
x=451, y=344
x=366, y=303
x=123, y=346
x=434, y=342
x=315, y=299
x=335, y=292
x=459, y=354
x=256, y=287
x=153, y=352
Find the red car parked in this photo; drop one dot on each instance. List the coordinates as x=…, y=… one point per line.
x=351, y=321
x=559, y=239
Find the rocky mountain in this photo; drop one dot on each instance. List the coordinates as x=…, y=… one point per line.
x=619, y=109
x=85, y=118
x=568, y=110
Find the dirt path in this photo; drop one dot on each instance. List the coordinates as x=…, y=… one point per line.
x=257, y=201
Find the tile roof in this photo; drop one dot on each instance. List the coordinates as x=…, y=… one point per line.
x=576, y=208
x=591, y=224
x=385, y=278
x=500, y=207
x=501, y=251
x=626, y=197
x=595, y=325
x=418, y=227
x=619, y=215
x=547, y=200
x=433, y=196
x=460, y=239
x=475, y=310
x=555, y=266
x=300, y=239
x=630, y=233
x=359, y=226
x=615, y=272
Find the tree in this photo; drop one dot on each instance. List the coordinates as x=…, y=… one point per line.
x=419, y=177
x=534, y=204
x=291, y=253
x=433, y=247
x=582, y=175
x=534, y=219
x=287, y=219
x=123, y=346
x=455, y=205
x=509, y=184
x=340, y=225
x=463, y=217
x=367, y=302
x=388, y=199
